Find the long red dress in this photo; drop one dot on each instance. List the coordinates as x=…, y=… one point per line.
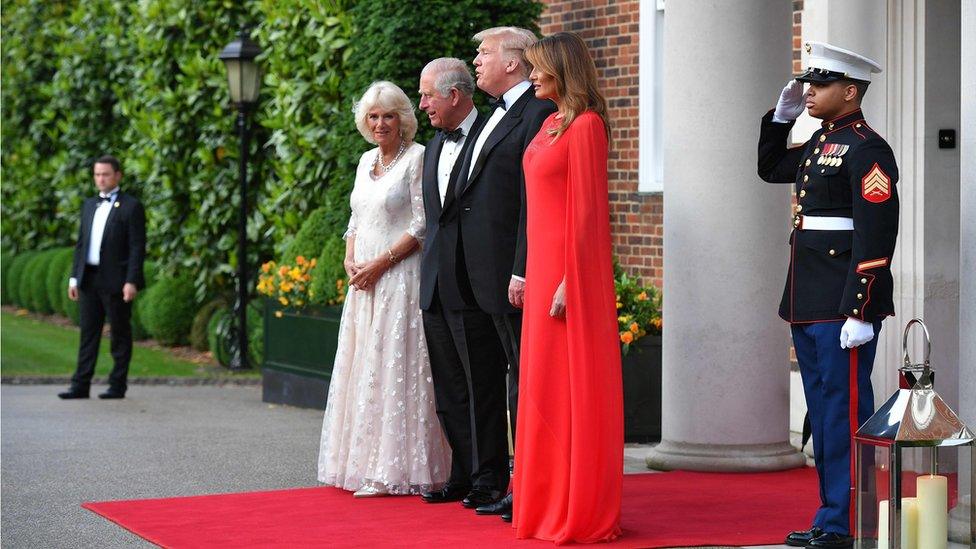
x=569, y=445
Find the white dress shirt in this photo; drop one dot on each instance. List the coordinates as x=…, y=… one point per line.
x=98, y=230
x=450, y=152
x=510, y=97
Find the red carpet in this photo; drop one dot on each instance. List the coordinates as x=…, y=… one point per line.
x=659, y=510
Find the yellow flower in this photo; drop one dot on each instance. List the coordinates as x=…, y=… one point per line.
x=642, y=296
x=619, y=305
x=279, y=314
x=657, y=323
x=283, y=300
x=286, y=287
x=340, y=283
x=299, y=302
x=635, y=327
x=295, y=273
x=312, y=264
x=627, y=337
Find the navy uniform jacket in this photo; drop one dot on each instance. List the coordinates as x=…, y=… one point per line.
x=845, y=170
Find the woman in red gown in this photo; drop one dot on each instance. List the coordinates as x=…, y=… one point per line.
x=569, y=463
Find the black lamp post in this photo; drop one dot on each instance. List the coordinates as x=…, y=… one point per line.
x=244, y=78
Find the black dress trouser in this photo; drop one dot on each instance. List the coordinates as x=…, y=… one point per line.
x=95, y=303
x=468, y=367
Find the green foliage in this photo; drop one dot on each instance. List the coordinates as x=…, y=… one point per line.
x=199, y=338
x=5, y=260
x=69, y=307
x=139, y=331
x=218, y=331
x=56, y=281
x=313, y=235
x=169, y=310
x=638, y=308
x=324, y=287
x=15, y=276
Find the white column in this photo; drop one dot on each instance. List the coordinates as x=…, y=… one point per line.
x=967, y=255
x=725, y=379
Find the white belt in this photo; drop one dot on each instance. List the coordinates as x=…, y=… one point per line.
x=817, y=223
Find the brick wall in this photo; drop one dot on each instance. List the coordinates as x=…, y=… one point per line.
x=611, y=30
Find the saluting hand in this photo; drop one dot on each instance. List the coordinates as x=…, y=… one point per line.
x=791, y=102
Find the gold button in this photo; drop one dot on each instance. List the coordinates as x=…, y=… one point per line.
x=832, y=252
x=860, y=296
x=796, y=221
x=857, y=125
x=807, y=163
x=823, y=171
x=855, y=311
x=803, y=193
x=806, y=178
x=799, y=207
x=830, y=126
x=864, y=281
x=823, y=138
x=816, y=151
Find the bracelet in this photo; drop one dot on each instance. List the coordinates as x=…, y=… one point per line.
x=394, y=259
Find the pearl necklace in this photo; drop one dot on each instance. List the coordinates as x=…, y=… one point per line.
x=379, y=158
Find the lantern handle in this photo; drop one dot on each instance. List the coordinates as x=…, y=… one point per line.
x=928, y=343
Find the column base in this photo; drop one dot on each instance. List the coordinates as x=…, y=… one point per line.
x=727, y=458
x=959, y=527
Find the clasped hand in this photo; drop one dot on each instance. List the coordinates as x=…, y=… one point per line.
x=363, y=276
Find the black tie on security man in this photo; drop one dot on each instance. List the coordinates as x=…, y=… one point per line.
x=839, y=284
x=105, y=277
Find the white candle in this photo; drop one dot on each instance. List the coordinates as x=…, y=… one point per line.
x=883, y=524
x=933, y=527
x=909, y=524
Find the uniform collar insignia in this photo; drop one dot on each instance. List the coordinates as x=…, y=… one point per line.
x=842, y=120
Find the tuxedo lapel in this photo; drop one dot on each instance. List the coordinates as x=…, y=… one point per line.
x=431, y=191
x=512, y=118
x=461, y=164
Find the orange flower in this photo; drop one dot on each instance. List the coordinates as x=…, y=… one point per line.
x=300, y=260
x=642, y=296
x=627, y=337
x=266, y=267
x=634, y=327
x=283, y=271
x=657, y=323
x=312, y=264
x=279, y=314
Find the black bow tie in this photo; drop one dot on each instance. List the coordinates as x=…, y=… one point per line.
x=498, y=104
x=454, y=135
x=104, y=198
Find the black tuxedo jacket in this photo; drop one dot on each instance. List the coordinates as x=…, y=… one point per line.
x=123, y=243
x=440, y=257
x=491, y=203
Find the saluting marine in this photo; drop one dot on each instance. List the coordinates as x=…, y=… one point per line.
x=839, y=284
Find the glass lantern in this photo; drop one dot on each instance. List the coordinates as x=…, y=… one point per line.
x=907, y=458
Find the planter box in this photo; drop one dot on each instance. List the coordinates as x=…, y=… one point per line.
x=299, y=350
x=642, y=390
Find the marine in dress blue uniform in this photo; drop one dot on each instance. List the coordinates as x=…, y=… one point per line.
x=839, y=284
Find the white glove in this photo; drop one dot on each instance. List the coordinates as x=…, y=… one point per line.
x=855, y=333
x=792, y=101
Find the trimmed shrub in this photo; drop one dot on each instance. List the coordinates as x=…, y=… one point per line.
x=16, y=274
x=33, y=294
x=328, y=271
x=311, y=238
x=5, y=259
x=56, y=281
x=139, y=331
x=168, y=313
x=199, y=336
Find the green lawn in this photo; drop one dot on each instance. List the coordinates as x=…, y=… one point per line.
x=29, y=347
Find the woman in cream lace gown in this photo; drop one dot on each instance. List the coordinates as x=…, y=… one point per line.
x=381, y=434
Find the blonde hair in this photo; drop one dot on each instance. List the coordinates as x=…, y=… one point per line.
x=564, y=57
x=389, y=97
x=513, y=39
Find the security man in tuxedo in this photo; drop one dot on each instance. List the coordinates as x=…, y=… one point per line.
x=839, y=284
x=106, y=276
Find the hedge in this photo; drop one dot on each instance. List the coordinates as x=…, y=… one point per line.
x=15, y=276
x=168, y=311
x=149, y=273
x=5, y=259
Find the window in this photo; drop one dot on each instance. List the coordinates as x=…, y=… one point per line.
x=651, y=55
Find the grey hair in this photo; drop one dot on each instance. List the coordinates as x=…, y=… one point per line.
x=387, y=96
x=515, y=39
x=450, y=72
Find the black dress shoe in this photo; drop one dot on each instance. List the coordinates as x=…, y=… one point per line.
x=110, y=394
x=73, y=393
x=479, y=497
x=507, y=517
x=500, y=507
x=831, y=540
x=801, y=538
x=450, y=492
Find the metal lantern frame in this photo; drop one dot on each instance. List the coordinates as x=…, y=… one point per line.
x=915, y=416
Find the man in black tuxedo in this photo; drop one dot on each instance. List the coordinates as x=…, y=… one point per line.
x=105, y=277
x=491, y=207
x=465, y=354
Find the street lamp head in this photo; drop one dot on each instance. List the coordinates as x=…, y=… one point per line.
x=243, y=73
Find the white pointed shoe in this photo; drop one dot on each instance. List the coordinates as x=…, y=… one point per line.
x=368, y=491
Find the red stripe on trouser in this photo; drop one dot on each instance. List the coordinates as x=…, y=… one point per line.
x=852, y=417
